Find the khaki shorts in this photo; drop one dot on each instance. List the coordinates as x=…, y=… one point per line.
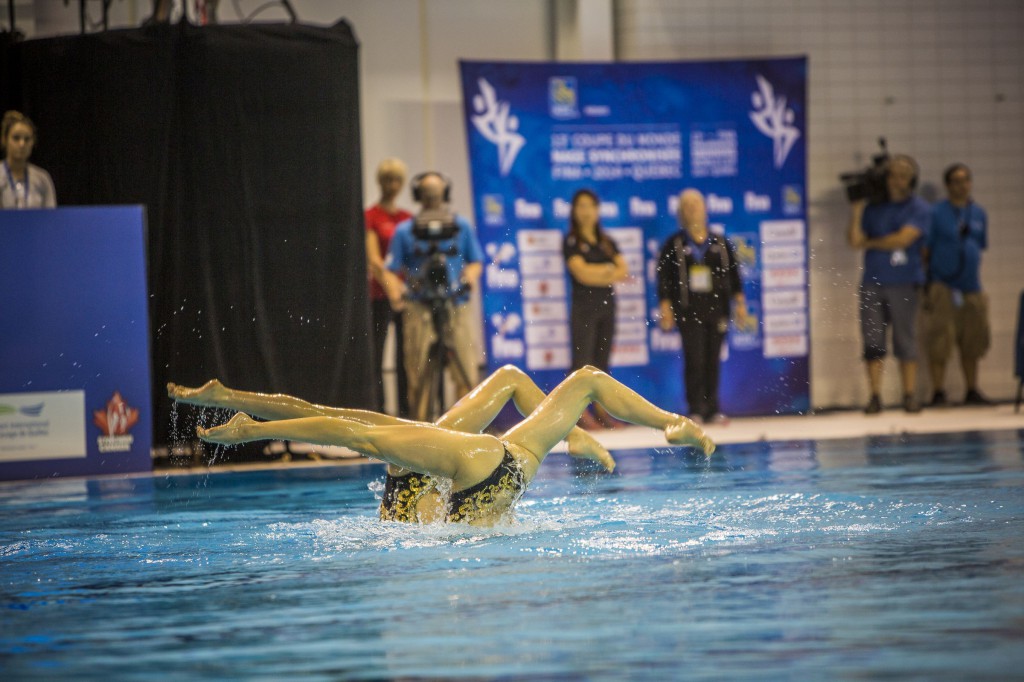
x=947, y=324
x=418, y=332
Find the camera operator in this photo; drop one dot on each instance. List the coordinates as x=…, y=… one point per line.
x=440, y=270
x=956, y=309
x=892, y=234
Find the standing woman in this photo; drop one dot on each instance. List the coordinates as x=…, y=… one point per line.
x=381, y=220
x=595, y=264
x=22, y=184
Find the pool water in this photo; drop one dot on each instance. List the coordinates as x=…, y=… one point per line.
x=897, y=557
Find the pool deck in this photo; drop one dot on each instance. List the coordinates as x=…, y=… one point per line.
x=834, y=425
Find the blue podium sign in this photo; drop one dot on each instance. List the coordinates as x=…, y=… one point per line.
x=74, y=348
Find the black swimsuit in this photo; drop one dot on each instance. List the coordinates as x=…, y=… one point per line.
x=401, y=493
x=506, y=482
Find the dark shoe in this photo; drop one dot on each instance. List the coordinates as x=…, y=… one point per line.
x=973, y=397
x=910, y=404
x=874, y=406
x=938, y=399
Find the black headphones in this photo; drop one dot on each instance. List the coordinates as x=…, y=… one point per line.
x=913, y=164
x=417, y=181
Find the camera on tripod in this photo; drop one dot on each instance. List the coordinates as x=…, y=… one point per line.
x=869, y=183
x=431, y=282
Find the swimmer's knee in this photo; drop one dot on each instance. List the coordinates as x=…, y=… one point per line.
x=588, y=371
x=510, y=371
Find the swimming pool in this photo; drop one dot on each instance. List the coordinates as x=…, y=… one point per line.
x=878, y=557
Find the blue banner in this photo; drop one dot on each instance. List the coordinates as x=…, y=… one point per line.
x=74, y=352
x=637, y=134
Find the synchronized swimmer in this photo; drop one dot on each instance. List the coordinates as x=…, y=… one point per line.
x=488, y=473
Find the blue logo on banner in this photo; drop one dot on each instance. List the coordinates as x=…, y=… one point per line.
x=773, y=118
x=563, y=97
x=792, y=199
x=494, y=209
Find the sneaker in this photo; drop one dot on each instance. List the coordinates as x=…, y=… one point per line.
x=697, y=419
x=973, y=397
x=717, y=418
x=874, y=405
x=910, y=404
x=938, y=399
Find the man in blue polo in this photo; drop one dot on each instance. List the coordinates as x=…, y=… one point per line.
x=432, y=271
x=892, y=234
x=956, y=308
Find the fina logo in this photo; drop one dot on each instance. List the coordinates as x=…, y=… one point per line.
x=719, y=205
x=756, y=203
x=527, y=210
x=563, y=101
x=772, y=118
x=502, y=347
x=494, y=121
x=642, y=208
x=498, y=277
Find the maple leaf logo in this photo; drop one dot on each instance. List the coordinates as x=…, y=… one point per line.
x=118, y=418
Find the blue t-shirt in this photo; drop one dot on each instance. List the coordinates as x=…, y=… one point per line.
x=410, y=255
x=905, y=266
x=955, y=258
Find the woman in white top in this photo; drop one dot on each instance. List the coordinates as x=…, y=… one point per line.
x=22, y=184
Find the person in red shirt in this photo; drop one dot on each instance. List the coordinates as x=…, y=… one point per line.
x=381, y=219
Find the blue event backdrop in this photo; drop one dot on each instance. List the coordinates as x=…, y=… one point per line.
x=637, y=134
x=74, y=353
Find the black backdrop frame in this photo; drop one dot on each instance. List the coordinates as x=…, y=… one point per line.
x=243, y=142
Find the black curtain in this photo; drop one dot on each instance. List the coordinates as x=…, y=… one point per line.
x=243, y=143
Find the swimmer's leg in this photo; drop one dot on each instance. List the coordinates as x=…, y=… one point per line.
x=269, y=406
x=465, y=458
x=559, y=412
x=477, y=409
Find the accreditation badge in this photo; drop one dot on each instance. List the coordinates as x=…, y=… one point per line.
x=700, y=279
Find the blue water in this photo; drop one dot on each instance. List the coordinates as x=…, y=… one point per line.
x=885, y=558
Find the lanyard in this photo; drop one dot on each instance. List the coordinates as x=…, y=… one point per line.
x=698, y=250
x=963, y=219
x=14, y=185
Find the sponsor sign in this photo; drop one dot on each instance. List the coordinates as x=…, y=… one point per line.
x=74, y=353
x=637, y=134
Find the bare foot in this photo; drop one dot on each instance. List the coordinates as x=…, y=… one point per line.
x=583, y=445
x=211, y=394
x=231, y=433
x=686, y=432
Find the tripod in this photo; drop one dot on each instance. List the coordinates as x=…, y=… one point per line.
x=430, y=399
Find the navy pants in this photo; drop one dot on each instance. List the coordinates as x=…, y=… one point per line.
x=702, y=348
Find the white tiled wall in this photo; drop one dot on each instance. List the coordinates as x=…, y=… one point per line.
x=942, y=80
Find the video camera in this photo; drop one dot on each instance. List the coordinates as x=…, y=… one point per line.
x=869, y=183
x=430, y=228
